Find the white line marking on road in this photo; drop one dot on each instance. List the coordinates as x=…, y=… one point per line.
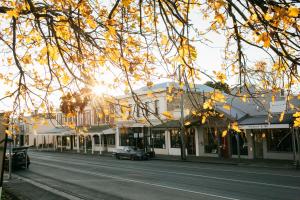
x=201, y=168
x=135, y=181
x=187, y=174
x=47, y=188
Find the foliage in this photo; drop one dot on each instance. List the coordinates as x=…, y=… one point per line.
x=71, y=103
x=219, y=86
x=55, y=46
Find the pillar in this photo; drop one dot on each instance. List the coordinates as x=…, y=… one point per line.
x=78, y=149
x=84, y=144
x=93, y=144
x=100, y=144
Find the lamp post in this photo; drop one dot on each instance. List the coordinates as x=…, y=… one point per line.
x=182, y=128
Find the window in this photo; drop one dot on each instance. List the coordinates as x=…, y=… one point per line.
x=156, y=108
x=110, y=139
x=87, y=118
x=96, y=117
x=279, y=140
x=175, y=138
x=158, y=139
x=96, y=139
x=210, y=141
x=243, y=143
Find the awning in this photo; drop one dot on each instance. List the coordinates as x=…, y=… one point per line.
x=109, y=131
x=263, y=122
x=168, y=124
x=59, y=131
x=98, y=129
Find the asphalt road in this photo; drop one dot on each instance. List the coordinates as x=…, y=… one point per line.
x=95, y=177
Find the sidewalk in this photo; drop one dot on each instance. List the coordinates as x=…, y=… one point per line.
x=266, y=163
x=262, y=163
x=18, y=189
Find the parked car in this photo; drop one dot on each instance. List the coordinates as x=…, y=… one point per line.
x=132, y=153
x=18, y=158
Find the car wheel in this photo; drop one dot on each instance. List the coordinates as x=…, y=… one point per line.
x=118, y=157
x=132, y=158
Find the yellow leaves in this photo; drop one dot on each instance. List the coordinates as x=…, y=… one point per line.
x=187, y=123
x=208, y=105
x=297, y=114
x=235, y=127
x=27, y=59
x=254, y=18
x=281, y=117
x=293, y=11
x=268, y=16
x=164, y=40
x=203, y=119
x=13, y=13
x=150, y=94
x=244, y=98
x=126, y=3
x=218, y=96
x=224, y=133
x=187, y=53
x=265, y=38
x=226, y=107
x=91, y=22
x=297, y=120
x=149, y=84
x=65, y=79
x=8, y=132
x=218, y=4
x=169, y=98
x=168, y=115
x=220, y=76
x=220, y=19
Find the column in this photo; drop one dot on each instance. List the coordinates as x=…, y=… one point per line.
x=84, y=144
x=117, y=137
x=61, y=144
x=196, y=141
x=78, y=149
x=100, y=144
x=93, y=144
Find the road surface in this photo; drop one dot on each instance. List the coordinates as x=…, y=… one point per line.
x=94, y=177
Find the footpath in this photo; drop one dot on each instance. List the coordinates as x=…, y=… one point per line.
x=18, y=189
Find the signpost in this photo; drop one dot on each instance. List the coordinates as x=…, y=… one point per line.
x=4, y=119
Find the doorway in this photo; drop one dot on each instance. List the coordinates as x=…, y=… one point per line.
x=258, y=144
x=190, y=141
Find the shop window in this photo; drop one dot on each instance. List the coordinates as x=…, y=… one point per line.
x=210, y=141
x=96, y=139
x=279, y=140
x=175, y=138
x=158, y=139
x=243, y=143
x=110, y=139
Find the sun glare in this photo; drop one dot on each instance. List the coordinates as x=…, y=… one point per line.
x=98, y=90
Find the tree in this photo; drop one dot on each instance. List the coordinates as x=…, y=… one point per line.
x=219, y=85
x=60, y=45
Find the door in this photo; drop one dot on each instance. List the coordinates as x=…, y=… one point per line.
x=258, y=145
x=190, y=144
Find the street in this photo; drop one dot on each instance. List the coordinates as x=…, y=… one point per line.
x=100, y=177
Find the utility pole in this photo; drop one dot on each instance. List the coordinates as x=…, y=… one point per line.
x=182, y=128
